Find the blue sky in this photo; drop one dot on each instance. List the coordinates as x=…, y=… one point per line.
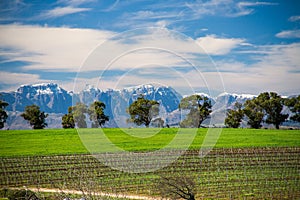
x=243, y=46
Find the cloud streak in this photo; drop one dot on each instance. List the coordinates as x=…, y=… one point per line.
x=62, y=11
x=294, y=18
x=289, y=34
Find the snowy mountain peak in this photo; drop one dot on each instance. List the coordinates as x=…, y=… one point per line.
x=200, y=94
x=203, y=95
x=91, y=88
x=140, y=89
x=240, y=96
x=40, y=88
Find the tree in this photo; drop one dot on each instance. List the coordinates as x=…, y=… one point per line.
x=272, y=105
x=254, y=113
x=68, y=119
x=35, y=117
x=235, y=116
x=96, y=112
x=294, y=106
x=3, y=114
x=200, y=108
x=79, y=112
x=142, y=111
x=178, y=187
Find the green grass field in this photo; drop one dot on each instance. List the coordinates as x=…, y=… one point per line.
x=67, y=141
x=246, y=163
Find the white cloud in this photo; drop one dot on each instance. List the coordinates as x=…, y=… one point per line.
x=228, y=8
x=75, y=2
x=289, y=34
x=61, y=11
x=17, y=78
x=294, y=18
x=14, y=80
x=178, y=11
x=257, y=3
x=49, y=48
x=276, y=69
x=218, y=46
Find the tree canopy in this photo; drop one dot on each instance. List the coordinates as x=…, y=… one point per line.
x=294, y=106
x=97, y=116
x=79, y=112
x=267, y=107
x=272, y=105
x=68, y=120
x=235, y=116
x=3, y=114
x=77, y=115
x=200, y=109
x=35, y=117
x=142, y=111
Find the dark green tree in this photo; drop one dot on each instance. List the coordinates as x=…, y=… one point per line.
x=294, y=106
x=142, y=111
x=79, y=112
x=35, y=117
x=3, y=114
x=97, y=116
x=254, y=112
x=200, y=109
x=272, y=105
x=235, y=116
x=68, y=120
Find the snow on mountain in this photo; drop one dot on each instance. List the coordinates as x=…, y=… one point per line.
x=227, y=100
x=55, y=100
x=49, y=96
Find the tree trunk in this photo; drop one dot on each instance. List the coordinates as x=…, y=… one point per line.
x=192, y=197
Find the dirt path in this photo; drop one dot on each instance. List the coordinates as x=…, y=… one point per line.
x=97, y=193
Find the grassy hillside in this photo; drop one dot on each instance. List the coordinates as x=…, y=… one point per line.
x=60, y=141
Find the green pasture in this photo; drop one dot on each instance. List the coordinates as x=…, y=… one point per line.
x=68, y=141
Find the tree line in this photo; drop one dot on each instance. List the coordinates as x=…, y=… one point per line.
x=265, y=108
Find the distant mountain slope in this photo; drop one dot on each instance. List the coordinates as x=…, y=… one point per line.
x=55, y=100
x=49, y=96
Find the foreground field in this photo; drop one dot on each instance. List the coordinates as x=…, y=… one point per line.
x=254, y=173
x=60, y=141
x=245, y=163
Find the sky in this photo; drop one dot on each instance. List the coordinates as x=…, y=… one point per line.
x=207, y=46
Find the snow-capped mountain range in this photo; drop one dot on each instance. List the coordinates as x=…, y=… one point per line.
x=55, y=101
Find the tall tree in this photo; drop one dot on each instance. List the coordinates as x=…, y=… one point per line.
x=79, y=112
x=294, y=106
x=200, y=109
x=272, y=104
x=35, y=117
x=254, y=112
x=235, y=116
x=3, y=114
x=142, y=111
x=68, y=120
x=97, y=116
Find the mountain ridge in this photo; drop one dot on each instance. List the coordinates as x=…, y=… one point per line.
x=53, y=99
